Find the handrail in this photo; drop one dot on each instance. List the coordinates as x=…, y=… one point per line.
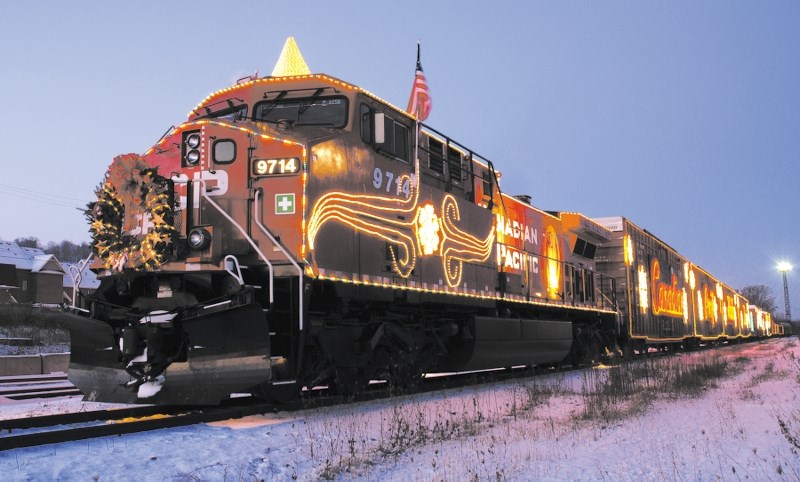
x=235, y=262
x=227, y=216
x=77, y=276
x=257, y=218
x=603, y=294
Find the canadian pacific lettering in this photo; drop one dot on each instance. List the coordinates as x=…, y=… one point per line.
x=508, y=228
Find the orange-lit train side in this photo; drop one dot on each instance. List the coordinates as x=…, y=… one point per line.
x=764, y=325
x=666, y=300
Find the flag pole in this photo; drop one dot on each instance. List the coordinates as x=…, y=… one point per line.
x=417, y=124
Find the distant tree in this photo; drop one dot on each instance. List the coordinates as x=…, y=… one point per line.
x=68, y=251
x=761, y=296
x=64, y=251
x=29, y=242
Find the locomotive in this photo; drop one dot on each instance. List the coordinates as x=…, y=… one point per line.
x=299, y=231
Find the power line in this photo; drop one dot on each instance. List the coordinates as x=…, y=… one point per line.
x=21, y=189
x=46, y=198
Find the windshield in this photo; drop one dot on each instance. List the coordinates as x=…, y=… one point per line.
x=311, y=111
x=232, y=114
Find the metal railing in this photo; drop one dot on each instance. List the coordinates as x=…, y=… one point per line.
x=244, y=233
x=76, y=273
x=257, y=218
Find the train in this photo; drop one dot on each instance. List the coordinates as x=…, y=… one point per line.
x=298, y=231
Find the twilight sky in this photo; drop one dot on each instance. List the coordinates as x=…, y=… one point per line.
x=683, y=116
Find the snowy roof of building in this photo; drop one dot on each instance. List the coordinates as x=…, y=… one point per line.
x=46, y=263
x=31, y=259
x=22, y=258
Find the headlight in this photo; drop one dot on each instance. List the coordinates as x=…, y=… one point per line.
x=192, y=157
x=199, y=239
x=193, y=141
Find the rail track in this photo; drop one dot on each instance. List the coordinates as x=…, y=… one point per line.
x=49, y=429
x=69, y=427
x=25, y=387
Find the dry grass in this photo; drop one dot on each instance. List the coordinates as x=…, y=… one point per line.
x=43, y=326
x=789, y=423
x=620, y=391
x=410, y=425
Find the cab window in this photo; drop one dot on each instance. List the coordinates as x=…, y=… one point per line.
x=310, y=111
x=396, y=139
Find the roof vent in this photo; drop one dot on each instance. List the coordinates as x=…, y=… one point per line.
x=526, y=198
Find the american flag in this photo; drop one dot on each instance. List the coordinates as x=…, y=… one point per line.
x=419, y=104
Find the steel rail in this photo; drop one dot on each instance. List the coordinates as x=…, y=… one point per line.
x=84, y=417
x=311, y=400
x=191, y=417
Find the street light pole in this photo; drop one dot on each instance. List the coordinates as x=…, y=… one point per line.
x=784, y=268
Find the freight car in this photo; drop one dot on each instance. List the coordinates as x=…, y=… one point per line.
x=666, y=301
x=764, y=325
x=299, y=231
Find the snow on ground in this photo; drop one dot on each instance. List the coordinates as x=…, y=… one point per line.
x=747, y=426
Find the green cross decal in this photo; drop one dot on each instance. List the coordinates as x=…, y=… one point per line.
x=284, y=203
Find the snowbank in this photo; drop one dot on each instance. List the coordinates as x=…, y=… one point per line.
x=746, y=425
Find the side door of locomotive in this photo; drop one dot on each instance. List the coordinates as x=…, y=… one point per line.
x=389, y=138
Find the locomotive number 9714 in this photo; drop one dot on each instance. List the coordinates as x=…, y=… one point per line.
x=402, y=184
x=269, y=167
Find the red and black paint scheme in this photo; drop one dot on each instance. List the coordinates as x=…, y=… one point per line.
x=298, y=231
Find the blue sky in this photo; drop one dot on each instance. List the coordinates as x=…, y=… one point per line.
x=683, y=116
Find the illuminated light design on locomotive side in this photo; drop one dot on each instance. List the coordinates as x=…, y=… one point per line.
x=458, y=246
x=378, y=216
x=553, y=252
x=518, y=247
x=373, y=215
x=427, y=229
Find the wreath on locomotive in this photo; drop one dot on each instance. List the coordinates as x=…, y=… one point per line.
x=131, y=187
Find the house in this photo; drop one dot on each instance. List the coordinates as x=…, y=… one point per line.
x=28, y=275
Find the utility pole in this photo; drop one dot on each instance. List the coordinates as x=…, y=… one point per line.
x=784, y=268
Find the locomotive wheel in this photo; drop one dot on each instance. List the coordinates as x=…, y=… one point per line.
x=277, y=394
x=585, y=350
x=350, y=381
x=397, y=368
x=627, y=351
x=404, y=374
x=592, y=354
